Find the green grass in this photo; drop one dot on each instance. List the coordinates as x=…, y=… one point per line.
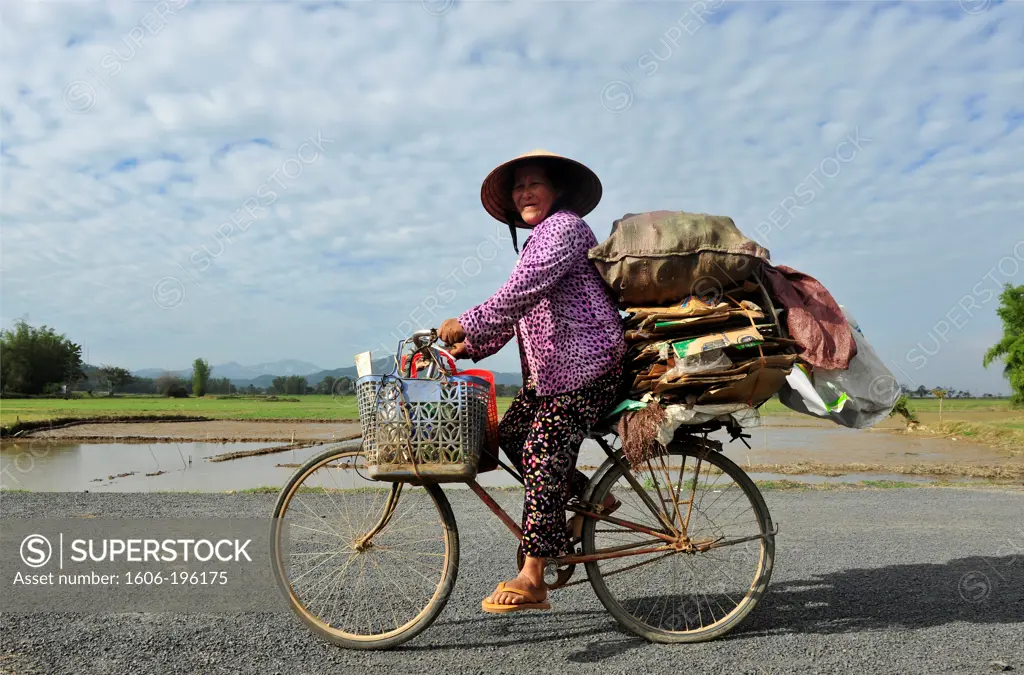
x=308, y=407
x=889, y=483
x=315, y=407
x=783, y=484
x=791, y=485
x=1005, y=435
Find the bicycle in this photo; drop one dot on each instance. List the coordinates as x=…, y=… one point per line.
x=404, y=535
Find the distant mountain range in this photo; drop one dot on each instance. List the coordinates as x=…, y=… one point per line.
x=262, y=375
x=235, y=371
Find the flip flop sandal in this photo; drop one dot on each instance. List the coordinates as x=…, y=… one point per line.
x=499, y=608
x=576, y=522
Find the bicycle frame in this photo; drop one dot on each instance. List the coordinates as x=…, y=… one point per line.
x=672, y=540
x=676, y=542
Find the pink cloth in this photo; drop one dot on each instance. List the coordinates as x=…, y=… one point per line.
x=570, y=332
x=813, y=318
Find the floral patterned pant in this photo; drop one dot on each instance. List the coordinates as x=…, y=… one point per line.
x=542, y=436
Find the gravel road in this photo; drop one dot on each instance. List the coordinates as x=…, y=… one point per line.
x=919, y=580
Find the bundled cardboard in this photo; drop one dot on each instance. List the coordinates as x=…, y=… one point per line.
x=707, y=353
x=704, y=343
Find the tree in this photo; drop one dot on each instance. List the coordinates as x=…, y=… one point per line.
x=941, y=394
x=1011, y=347
x=293, y=384
x=326, y=385
x=220, y=385
x=200, y=376
x=140, y=385
x=35, y=359
x=921, y=391
x=169, y=384
x=343, y=386
x=296, y=385
x=115, y=377
x=506, y=389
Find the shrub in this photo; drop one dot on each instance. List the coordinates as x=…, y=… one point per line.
x=177, y=391
x=902, y=407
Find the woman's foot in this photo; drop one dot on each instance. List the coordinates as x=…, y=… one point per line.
x=533, y=592
x=526, y=591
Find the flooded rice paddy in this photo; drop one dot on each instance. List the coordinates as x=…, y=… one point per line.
x=66, y=465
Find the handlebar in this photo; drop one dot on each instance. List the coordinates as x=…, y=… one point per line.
x=422, y=341
x=417, y=337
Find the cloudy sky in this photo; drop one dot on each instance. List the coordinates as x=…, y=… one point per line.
x=253, y=181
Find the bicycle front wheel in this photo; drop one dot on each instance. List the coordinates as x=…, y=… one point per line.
x=365, y=564
x=705, y=583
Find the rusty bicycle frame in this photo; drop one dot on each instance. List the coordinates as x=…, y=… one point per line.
x=674, y=538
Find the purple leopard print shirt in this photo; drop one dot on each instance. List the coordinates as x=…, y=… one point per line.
x=569, y=329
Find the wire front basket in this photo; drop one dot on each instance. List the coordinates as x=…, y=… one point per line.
x=423, y=430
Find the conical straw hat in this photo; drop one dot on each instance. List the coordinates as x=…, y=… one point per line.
x=582, y=187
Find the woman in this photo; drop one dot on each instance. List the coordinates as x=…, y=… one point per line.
x=571, y=345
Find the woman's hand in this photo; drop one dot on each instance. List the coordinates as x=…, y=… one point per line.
x=452, y=332
x=459, y=351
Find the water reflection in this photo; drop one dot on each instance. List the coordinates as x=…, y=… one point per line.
x=61, y=466
x=39, y=464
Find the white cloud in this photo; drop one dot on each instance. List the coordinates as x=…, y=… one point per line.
x=729, y=117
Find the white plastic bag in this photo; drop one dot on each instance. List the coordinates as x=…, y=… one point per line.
x=679, y=415
x=859, y=397
x=702, y=362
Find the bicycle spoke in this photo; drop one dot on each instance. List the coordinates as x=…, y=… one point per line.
x=354, y=588
x=703, y=585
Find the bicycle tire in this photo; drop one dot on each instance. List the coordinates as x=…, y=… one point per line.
x=606, y=477
x=391, y=639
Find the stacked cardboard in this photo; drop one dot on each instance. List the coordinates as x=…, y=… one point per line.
x=707, y=351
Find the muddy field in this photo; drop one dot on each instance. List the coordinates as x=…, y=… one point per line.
x=781, y=445
x=276, y=430
x=216, y=431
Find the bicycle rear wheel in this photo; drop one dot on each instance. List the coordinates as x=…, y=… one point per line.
x=364, y=564
x=721, y=567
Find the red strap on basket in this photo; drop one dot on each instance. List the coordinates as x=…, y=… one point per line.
x=492, y=417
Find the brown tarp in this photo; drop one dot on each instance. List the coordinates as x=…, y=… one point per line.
x=659, y=257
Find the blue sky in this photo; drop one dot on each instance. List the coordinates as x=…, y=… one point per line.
x=252, y=181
